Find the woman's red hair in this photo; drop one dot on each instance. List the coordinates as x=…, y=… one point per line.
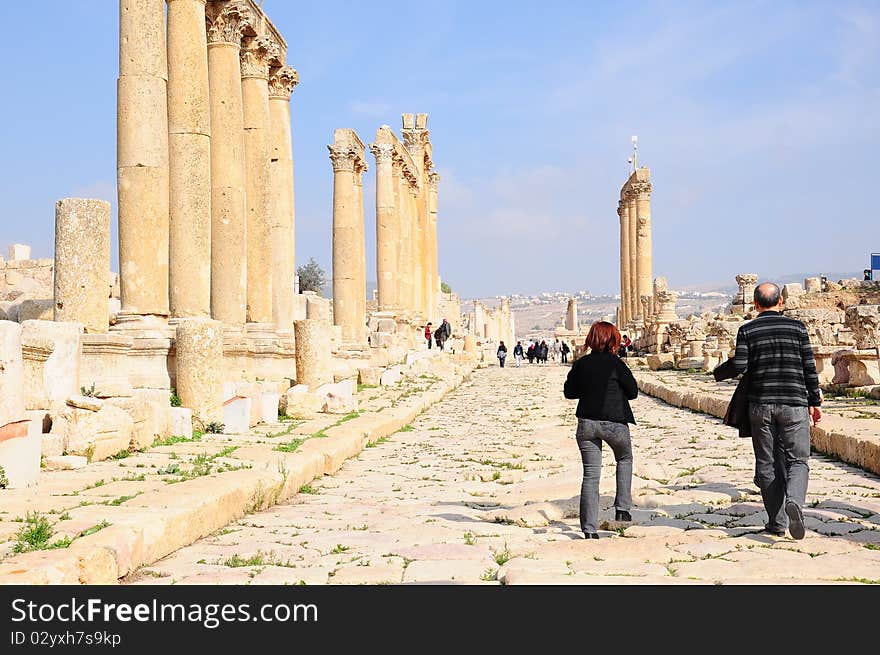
x=604, y=337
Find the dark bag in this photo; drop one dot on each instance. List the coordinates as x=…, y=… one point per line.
x=737, y=415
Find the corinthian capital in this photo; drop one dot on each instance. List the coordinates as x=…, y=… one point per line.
x=642, y=190
x=227, y=21
x=255, y=56
x=434, y=182
x=282, y=81
x=343, y=158
x=382, y=152
x=416, y=140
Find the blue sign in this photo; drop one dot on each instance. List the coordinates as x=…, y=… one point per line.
x=875, y=262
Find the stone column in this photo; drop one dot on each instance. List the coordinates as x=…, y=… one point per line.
x=362, y=258
x=644, y=255
x=405, y=251
x=386, y=251
x=625, y=305
x=397, y=223
x=635, y=311
x=433, y=248
x=281, y=208
x=571, y=316
x=199, y=348
x=142, y=157
x=82, y=263
x=347, y=154
x=226, y=23
x=745, y=296
x=313, y=366
x=415, y=250
x=189, y=142
x=255, y=56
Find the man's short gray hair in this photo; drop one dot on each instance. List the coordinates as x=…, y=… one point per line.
x=767, y=295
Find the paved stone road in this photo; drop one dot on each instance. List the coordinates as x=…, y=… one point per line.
x=484, y=488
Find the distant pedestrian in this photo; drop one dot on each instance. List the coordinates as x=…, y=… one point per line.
x=530, y=353
x=555, y=351
x=565, y=351
x=783, y=397
x=545, y=350
x=501, y=354
x=442, y=334
x=428, y=334
x=518, y=354
x=603, y=386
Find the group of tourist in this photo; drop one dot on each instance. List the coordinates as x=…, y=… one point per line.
x=539, y=353
x=440, y=336
x=781, y=397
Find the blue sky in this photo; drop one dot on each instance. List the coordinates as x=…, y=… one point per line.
x=760, y=122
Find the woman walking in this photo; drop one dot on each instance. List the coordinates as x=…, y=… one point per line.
x=603, y=386
x=518, y=353
x=428, y=335
x=501, y=354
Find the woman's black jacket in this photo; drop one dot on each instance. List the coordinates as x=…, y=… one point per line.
x=603, y=385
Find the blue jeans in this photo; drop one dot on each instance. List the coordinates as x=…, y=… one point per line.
x=781, y=441
x=590, y=435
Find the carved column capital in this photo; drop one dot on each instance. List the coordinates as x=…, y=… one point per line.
x=227, y=22
x=416, y=140
x=343, y=158
x=641, y=190
x=383, y=152
x=282, y=82
x=256, y=53
x=434, y=182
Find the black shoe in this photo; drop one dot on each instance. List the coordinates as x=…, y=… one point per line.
x=591, y=535
x=795, y=519
x=623, y=516
x=773, y=531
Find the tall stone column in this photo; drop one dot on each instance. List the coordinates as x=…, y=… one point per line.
x=142, y=157
x=433, y=248
x=255, y=56
x=347, y=157
x=282, y=235
x=386, y=252
x=189, y=142
x=226, y=23
x=415, y=250
x=362, y=258
x=635, y=312
x=398, y=214
x=645, y=258
x=82, y=263
x=405, y=252
x=624, y=265
x=571, y=316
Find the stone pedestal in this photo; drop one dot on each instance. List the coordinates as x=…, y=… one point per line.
x=52, y=354
x=142, y=157
x=82, y=263
x=14, y=427
x=199, y=348
x=313, y=365
x=105, y=364
x=189, y=142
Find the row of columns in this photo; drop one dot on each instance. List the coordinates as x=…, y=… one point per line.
x=636, y=274
x=205, y=163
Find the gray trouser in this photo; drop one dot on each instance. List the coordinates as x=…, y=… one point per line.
x=590, y=435
x=781, y=441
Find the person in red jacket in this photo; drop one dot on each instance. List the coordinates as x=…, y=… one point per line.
x=428, y=334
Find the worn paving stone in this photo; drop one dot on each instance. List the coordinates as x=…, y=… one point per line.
x=485, y=487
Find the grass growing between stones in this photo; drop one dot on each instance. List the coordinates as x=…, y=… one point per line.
x=37, y=533
x=170, y=441
x=308, y=489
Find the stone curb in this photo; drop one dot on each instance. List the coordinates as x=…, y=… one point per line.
x=831, y=439
x=178, y=515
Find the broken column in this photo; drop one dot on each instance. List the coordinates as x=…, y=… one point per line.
x=82, y=263
x=313, y=360
x=744, y=298
x=142, y=157
x=199, y=348
x=571, y=316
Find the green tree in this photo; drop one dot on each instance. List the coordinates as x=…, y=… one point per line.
x=445, y=288
x=311, y=276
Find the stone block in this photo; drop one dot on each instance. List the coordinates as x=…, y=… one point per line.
x=105, y=364
x=237, y=415
x=864, y=321
x=792, y=290
x=12, y=397
x=20, y=452
x=370, y=376
x=95, y=435
x=52, y=353
x=52, y=445
x=386, y=325
x=150, y=409
x=65, y=463
x=85, y=402
x=181, y=422
x=391, y=376
x=36, y=310
x=661, y=361
x=18, y=252
x=813, y=284
x=299, y=402
x=267, y=405
x=382, y=339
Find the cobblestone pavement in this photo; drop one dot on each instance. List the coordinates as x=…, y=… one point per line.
x=483, y=488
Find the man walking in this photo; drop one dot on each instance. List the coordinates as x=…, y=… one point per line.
x=783, y=396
